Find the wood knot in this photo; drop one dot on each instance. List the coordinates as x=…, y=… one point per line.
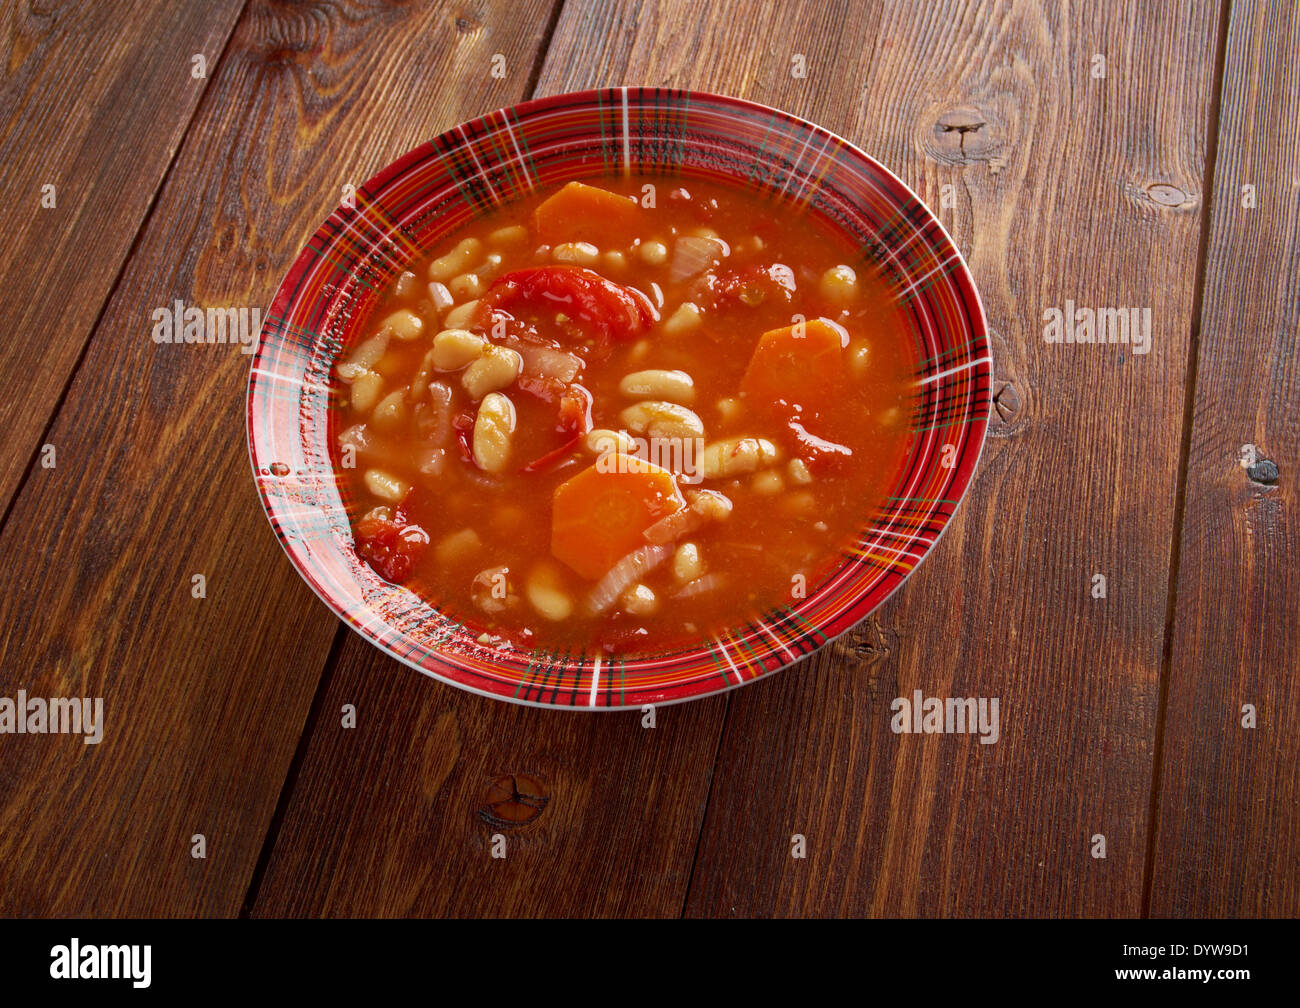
x=1007, y=408
x=465, y=25
x=513, y=800
x=1006, y=402
x=1263, y=471
x=1165, y=195
x=960, y=120
x=961, y=135
x=870, y=644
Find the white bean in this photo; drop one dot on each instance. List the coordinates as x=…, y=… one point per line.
x=839, y=285
x=615, y=262
x=662, y=420
x=675, y=386
x=684, y=319
x=515, y=234
x=654, y=253
x=385, y=485
x=496, y=369
x=390, y=414
x=365, y=391
x=457, y=260
x=404, y=324
x=454, y=349
x=798, y=472
x=730, y=408
x=467, y=285
x=365, y=356
x=734, y=456
x=354, y=438
x=430, y=461
x=768, y=483
x=461, y=315
x=457, y=547
x=710, y=503
x=639, y=600
x=687, y=564
x=607, y=442
x=547, y=595
x=579, y=253
x=493, y=427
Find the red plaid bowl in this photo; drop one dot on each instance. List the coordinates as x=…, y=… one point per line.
x=325, y=299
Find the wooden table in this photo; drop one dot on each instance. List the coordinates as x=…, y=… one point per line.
x=1106, y=154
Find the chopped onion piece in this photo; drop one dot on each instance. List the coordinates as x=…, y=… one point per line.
x=692, y=256
x=627, y=572
x=547, y=363
x=672, y=527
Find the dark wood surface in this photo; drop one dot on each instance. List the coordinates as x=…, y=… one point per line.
x=1227, y=832
x=1120, y=716
x=208, y=698
x=96, y=99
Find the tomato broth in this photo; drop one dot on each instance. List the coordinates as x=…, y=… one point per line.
x=623, y=414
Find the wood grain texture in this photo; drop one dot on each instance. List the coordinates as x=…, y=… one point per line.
x=1228, y=838
x=1054, y=173
x=96, y=98
x=204, y=699
x=1067, y=187
x=1087, y=439
x=397, y=816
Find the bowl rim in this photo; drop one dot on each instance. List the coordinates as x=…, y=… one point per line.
x=959, y=270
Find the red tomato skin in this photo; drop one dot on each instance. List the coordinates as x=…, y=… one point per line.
x=607, y=310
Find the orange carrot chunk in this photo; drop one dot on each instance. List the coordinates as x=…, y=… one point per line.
x=599, y=515
x=583, y=213
x=797, y=369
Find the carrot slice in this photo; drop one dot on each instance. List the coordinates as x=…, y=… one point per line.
x=583, y=213
x=599, y=515
x=800, y=366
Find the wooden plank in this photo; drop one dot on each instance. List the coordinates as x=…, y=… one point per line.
x=618, y=834
x=96, y=100
x=1227, y=839
x=204, y=700
x=1067, y=187
x=396, y=816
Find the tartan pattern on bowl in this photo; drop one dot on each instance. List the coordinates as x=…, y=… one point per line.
x=331, y=288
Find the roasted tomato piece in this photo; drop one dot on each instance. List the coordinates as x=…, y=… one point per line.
x=389, y=542
x=604, y=309
x=575, y=410
x=751, y=286
x=573, y=420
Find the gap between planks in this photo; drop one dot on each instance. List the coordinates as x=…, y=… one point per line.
x=145, y=218
x=1184, y=449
